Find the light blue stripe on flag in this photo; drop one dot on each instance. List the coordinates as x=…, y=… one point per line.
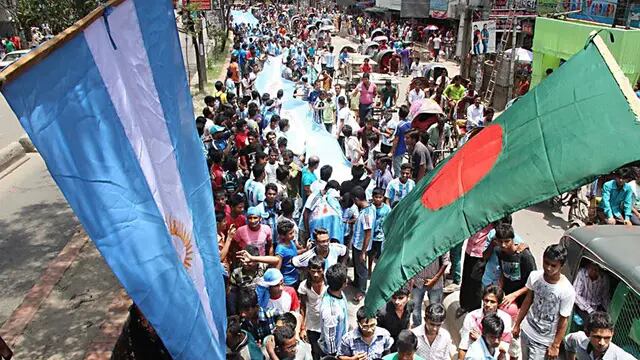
x=163, y=47
x=71, y=118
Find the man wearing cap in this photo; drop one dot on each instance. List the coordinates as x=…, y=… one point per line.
x=274, y=295
x=219, y=138
x=255, y=233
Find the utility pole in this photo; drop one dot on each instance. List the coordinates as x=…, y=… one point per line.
x=201, y=63
x=512, y=64
x=464, y=37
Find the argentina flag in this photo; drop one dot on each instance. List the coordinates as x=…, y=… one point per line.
x=108, y=107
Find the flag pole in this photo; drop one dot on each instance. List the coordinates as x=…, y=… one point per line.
x=618, y=75
x=36, y=55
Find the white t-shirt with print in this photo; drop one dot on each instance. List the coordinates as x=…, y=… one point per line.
x=344, y=115
x=550, y=301
x=335, y=251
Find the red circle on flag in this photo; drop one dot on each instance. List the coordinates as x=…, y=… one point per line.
x=465, y=169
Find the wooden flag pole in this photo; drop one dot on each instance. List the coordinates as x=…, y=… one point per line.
x=621, y=78
x=36, y=55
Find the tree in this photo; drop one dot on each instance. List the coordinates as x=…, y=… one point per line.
x=57, y=15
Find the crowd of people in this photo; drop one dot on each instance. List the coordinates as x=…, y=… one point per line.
x=288, y=231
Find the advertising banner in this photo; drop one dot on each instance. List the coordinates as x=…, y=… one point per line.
x=483, y=37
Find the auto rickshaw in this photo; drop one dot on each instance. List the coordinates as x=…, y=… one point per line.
x=613, y=249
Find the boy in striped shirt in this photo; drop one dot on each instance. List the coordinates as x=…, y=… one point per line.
x=399, y=188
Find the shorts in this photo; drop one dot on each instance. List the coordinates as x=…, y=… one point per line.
x=376, y=249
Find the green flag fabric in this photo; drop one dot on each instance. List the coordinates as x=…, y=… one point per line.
x=582, y=121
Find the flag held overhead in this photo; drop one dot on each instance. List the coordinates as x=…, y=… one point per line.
x=577, y=124
x=108, y=106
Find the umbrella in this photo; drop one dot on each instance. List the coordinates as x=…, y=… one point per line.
x=523, y=55
x=380, y=38
x=431, y=27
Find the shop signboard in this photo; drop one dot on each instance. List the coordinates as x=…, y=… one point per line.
x=438, y=9
x=600, y=11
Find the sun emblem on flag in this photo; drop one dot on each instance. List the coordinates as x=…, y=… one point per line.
x=182, y=241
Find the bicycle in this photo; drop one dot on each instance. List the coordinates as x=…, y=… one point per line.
x=580, y=213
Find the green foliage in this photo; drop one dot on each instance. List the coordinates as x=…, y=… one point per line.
x=57, y=14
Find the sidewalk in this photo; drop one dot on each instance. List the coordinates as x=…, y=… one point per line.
x=55, y=288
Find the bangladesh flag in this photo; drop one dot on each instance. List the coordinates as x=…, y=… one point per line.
x=582, y=121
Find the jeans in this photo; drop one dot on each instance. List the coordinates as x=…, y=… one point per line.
x=363, y=111
x=531, y=350
x=417, y=297
x=397, y=162
x=360, y=272
x=456, y=263
x=406, y=68
x=634, y=219
x=476, y=48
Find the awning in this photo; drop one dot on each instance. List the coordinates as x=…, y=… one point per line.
x=375, y=9
x=365, y=4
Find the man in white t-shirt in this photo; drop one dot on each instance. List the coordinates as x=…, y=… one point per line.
x=436, y=47
x=415, y=94
x=475, y=113
x=546, y=309
x=352, y=148
x=271, y=167
x=345, y=117
x=311, y=291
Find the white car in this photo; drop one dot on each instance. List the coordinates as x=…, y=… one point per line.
x=11, y=57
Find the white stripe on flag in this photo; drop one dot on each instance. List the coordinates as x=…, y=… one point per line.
x=129, y=79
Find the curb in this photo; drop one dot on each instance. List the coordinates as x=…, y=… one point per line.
x=14, y=155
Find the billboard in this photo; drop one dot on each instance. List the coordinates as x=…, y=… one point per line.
x=483, y=37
